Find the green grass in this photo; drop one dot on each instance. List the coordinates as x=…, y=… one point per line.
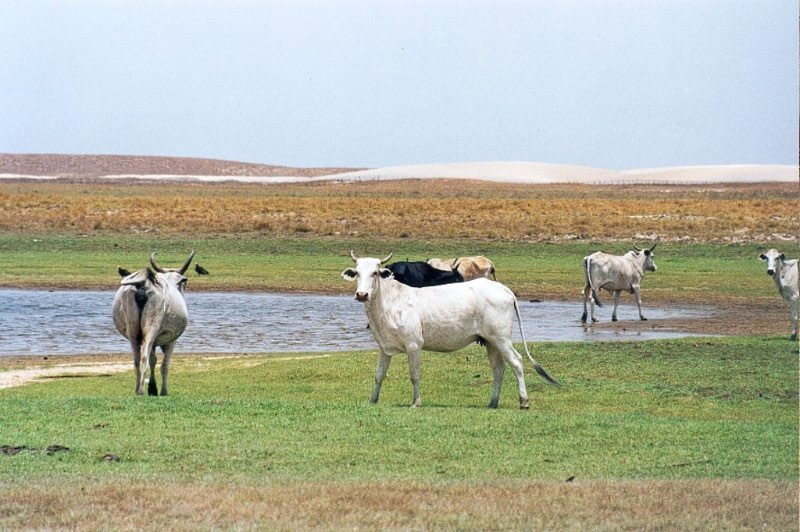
x=687, y=272
x=678, y=409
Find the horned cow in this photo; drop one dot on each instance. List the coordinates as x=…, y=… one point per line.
x=469, y=267
x=785, y=274
x=615, y=273
x=150, y=311
x=443, y=318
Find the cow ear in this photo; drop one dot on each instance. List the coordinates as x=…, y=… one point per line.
x=151, y=276
x=350, y=274
x=782, y=256
x=385, y=273
x=135, y=278
x=762, y=257
x=647, y=253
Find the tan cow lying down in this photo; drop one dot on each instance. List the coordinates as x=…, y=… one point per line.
x=469, y=267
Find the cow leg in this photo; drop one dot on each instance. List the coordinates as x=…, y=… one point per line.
x=638, y=291
x=514, y=359
x=795, y=318
x=591, y=305
x=413, y=370
x=167, y=350
x=587, y=294
x=152, y=388
x=137, y=368
x=145, y=349
x=380, y=374
x=498, y=369
x=616, y=303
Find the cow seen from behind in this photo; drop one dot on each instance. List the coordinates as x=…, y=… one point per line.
x=150, y=311
x=615, y=273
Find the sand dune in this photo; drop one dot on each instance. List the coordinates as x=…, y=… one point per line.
x=32, y=167
x=543, y=173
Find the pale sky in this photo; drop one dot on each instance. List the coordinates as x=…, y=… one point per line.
x=610, y=84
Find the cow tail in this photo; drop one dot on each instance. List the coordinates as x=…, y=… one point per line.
x=587, y=270
x=539, y=369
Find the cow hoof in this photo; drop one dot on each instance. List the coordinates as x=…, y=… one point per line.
x=793, y=337
x=163, y=393
x=583, y=318
x=492, y=404
x=524, y=405
x=642, y=318
x=594, y=320
x=613, y=318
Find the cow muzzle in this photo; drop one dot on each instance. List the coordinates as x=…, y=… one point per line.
x=770, y=271
x=362, y=296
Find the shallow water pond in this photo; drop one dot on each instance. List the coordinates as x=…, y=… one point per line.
x=79, y=322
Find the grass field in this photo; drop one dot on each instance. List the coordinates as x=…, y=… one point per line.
x=657, y=435
x=704, y=272
x=721, y=410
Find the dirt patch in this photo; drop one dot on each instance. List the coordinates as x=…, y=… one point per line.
x=22, y=370
x=727, y=318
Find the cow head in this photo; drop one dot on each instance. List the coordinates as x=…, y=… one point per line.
x=649, y=264
x=772, y=257
x=366, y=273
x=161, y=277
x=173, y=275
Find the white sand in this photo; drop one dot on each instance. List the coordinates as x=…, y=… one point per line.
x=517, y=172
x=20, y=377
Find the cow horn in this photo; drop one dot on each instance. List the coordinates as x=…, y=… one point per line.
x=155, y=265
x=186, y=264
x=636, y=248
x=389, y=256
x=654, y=245
x=353, y=256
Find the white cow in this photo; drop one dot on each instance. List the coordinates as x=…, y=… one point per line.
x=616, y=273
x=785, y=274
x=469, y=267
x=150, y=311
x=441, y=318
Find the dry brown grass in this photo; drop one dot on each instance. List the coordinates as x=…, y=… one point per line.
x=627, y=505
x=414, y=209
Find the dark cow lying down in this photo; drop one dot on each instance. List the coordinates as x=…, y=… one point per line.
x=421, y=274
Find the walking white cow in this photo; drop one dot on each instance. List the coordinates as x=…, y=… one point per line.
x=150, y=311
x=785, y=274
x=616, y=273
x=441, y=318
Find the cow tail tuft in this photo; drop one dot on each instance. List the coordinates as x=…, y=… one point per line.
x=587, y=270
x=539, y=369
